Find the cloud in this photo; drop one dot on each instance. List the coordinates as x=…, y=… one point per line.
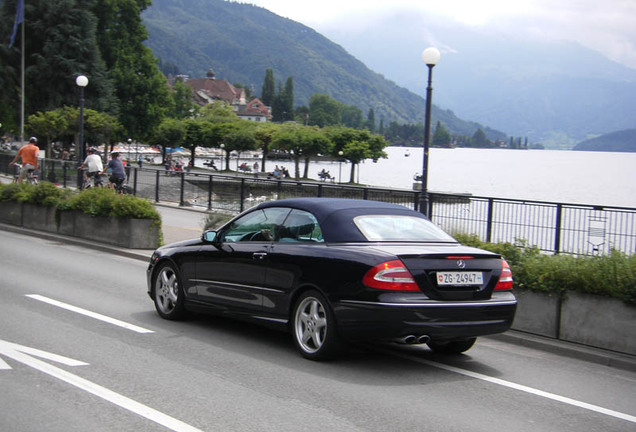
x=607, y=27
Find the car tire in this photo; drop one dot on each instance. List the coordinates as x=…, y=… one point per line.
x=168, y=293
x=314, y=327
x=452, y=347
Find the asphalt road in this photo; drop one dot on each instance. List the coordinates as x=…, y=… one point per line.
x=81, y=349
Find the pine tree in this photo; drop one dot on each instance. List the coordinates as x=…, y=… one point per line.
x=268, y=92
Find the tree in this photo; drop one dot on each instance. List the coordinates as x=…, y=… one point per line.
x=288, y=100
x=170, y=133
x=351, y=116
x=61, y=44
x=240, y=140
x=356, y=145
x=324, y=111
x=268, y=91
x=480, y=140
x=371, y=120
x=264, y=134
x=139, y=85
x=441, y=136
x=48, y=125
x=182, y=101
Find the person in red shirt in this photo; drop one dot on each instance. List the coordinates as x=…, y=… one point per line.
x=29, y=154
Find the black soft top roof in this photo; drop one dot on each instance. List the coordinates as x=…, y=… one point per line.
x=335, y=215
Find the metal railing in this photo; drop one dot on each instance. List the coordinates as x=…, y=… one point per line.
x=551, y=227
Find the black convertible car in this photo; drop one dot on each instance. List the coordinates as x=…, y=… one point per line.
x=332, y=270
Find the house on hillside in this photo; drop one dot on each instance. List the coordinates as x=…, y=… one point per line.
x=209, y=89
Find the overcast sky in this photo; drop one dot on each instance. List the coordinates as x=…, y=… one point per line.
x=607, y=26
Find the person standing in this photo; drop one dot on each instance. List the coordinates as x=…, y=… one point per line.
x=94, y=167
x=29, y=154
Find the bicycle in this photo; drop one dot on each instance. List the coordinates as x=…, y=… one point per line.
x=92, y=180
x=31, y=176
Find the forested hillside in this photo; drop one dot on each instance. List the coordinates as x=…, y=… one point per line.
x=241, y=41
x=621, y=141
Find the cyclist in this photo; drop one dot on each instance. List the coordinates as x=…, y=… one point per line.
x=117, y=172
x=94, y=168
x=29, y=155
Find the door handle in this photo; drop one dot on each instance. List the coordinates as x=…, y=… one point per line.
x=259, y=255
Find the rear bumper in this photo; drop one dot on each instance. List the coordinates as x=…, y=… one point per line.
x=439, y=320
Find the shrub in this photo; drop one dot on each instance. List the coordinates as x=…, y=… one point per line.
x=612, y=275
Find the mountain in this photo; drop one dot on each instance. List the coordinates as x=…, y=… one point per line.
x=240, y=41
x=621, y=141
x=554, y=93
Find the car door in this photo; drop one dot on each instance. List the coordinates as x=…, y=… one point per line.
x=231, y=272
x=296, y=254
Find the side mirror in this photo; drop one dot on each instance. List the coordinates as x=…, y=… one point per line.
x=209, y=236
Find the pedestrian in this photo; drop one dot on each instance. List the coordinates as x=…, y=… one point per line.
x=117, y=172
x=94, y=168
x=28, y=153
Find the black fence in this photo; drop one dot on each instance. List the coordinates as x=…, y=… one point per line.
x=552, y=227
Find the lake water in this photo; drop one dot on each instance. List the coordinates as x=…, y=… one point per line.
x=599, y=178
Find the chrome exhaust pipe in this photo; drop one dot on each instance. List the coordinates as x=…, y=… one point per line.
x=410, y=339
x=423, y=339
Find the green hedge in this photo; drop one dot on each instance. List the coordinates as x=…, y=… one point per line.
x=95, y=201
x=612, y=275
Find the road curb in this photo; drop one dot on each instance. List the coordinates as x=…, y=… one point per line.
x=569, y=349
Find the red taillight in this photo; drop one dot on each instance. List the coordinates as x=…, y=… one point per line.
x=390, y=275
x=505, y=278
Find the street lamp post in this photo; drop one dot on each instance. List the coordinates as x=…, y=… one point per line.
x=81, y=82
x=340, y=153
x=430, y=56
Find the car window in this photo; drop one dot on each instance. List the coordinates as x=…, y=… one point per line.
x=399, y=228
x=259, y=225
x=300, y=226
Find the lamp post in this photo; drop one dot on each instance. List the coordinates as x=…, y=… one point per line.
x=430, y=56
x=340, y=153
x=81, y=82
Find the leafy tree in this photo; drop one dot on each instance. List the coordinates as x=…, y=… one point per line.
x=356, y=145
x=479, y=139
x=324, y=111
x=268, y=91
x=61, y=44
x=441, y=136
x=48, y=125
x=194, y=131
x=139, y=85
x=240, y=140
x=264, y=134
x=170, y=133
x=182, y=100
x=352, y=116
x=300, y=142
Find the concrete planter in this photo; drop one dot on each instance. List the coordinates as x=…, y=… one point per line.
x=39, y=217
x=128, y=233
x=537, y=313
x=598, y=321
x=11, y=212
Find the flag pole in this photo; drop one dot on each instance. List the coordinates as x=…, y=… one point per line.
x=22, y=80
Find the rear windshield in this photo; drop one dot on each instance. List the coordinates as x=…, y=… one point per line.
x=400, y=228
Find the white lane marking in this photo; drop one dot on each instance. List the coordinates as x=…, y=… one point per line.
x=89, y=313
x=21, y=354
x=522, y=388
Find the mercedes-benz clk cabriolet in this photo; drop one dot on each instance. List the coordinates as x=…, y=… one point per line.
x=337, y=270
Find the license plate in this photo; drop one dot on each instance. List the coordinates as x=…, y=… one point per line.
x=459, y=278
